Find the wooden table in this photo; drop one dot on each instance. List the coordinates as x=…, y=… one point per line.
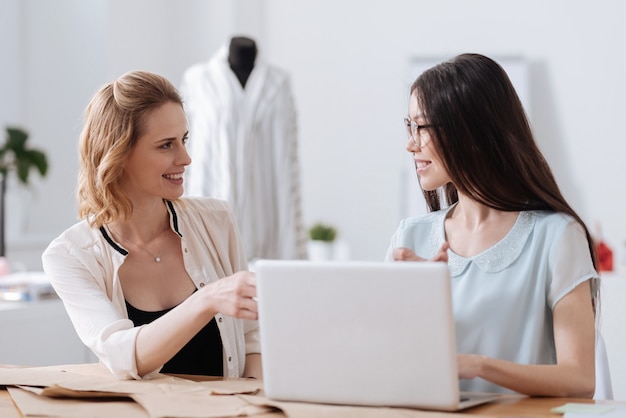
x=514, y=406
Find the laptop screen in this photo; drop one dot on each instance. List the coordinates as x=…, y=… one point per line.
x=363, y=333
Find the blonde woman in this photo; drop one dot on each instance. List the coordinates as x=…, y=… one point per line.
x=152, y=281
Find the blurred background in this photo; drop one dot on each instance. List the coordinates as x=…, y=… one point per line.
x=351, y=63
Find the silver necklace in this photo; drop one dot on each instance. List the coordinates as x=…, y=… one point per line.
x=157, y=258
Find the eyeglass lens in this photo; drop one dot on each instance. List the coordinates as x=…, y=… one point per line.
x=415, y=132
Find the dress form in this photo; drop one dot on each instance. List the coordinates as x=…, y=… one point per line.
x=241, y=56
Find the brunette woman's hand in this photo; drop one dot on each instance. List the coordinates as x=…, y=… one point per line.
x=234, y=295
x=469, y=365
x=406, y=254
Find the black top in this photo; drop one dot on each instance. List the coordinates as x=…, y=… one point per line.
x=201, y=355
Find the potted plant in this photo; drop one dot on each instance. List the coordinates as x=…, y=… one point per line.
x=16, y=157
x=320, y=246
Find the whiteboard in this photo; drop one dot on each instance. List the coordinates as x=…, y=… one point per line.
x=411, y=198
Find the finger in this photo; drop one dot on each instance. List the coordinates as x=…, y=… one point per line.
x=250, y=278
x=242, y=284
x=440, y=256
x=250, y=304
x=246, y=291
x=253, y=316
x=405, y=254
x=247, y=310
x=247, y=279
x=246, y=304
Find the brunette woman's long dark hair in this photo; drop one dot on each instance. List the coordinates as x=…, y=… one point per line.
x=485, y=141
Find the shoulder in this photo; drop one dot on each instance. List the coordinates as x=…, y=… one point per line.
x=556, y=232
x=199, y=74
x=421, y=229
x=194, y=72
x=427, y=220
x=278, y=74
x=203, y=219
x=553, y=223
x=275, y=79
x=200, y=204
x=79, y=235
x=200, y=209
x=78, y=245
x=423, y=234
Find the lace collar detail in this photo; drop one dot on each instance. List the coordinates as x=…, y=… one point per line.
x=494, y=259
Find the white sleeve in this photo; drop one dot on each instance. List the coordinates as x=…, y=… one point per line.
x=77, y=278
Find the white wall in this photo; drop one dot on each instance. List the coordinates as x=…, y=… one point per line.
x=348, y=62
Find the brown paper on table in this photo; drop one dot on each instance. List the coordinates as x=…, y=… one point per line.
x=47, y=376
x=313, y=410
x=163, y=396
x=32, y=405
x=92, y=386
x=197, y=406
x=94, y=380
x=188, y=405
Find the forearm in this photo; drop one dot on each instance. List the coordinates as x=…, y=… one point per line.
x=160, y=340
x=560, y=380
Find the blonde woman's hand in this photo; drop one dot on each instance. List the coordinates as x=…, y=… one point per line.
x=234, y=295
x=406, y=254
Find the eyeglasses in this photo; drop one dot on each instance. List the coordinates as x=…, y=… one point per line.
x=416, y=132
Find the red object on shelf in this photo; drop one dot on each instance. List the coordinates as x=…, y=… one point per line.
x=605, y=256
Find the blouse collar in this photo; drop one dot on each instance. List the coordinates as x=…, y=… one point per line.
x=495, y=259
x=173, y=224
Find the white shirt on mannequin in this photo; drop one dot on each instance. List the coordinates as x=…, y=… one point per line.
x=243, y=143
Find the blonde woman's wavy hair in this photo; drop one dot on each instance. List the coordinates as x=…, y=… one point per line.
x=113, y=122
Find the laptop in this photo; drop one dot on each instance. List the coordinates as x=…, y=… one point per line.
x=360, y=333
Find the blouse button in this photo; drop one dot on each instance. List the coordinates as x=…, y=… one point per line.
x=230, y=359
x=201, y=284
x=219, y=319
x=186, y=250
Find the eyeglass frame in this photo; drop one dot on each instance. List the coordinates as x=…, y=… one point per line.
x=415, y=130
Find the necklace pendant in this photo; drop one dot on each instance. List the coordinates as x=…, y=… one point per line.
x=157, y=259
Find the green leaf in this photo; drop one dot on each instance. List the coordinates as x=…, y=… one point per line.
x=39, y=160
x=14, y=155
x=22, y=167
x=17, y=139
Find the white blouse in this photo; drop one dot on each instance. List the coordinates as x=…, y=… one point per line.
x=83, y=264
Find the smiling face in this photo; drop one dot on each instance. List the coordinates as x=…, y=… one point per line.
x=430, y=170
x=155, y=166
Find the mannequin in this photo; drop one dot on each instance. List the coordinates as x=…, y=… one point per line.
x=242, y=117
x=241, y=55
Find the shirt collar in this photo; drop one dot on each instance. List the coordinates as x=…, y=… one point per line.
x=173, y=224
x=495, y=259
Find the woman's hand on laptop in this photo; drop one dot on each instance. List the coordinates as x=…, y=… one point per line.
x=407, y=254
x=234, y=295
x=469, y=365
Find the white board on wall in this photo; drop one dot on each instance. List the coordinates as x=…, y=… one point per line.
x=412, y=201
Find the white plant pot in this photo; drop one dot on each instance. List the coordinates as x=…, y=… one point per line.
x=320, y=250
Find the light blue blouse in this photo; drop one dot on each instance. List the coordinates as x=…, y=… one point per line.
x=503, y=298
